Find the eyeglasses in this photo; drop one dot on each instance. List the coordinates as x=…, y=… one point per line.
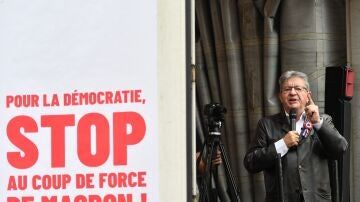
x=298, y=89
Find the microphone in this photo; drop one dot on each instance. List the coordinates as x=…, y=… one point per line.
x=292, y=117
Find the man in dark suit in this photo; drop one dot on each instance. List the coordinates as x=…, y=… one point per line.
x=304, y=152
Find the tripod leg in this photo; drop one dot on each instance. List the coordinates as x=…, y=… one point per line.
x=229, y=175
x=225, y=190
x=222, y=185
x=206, y=192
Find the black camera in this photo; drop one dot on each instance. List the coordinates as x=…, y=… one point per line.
x=215, y=113
x=215, y=116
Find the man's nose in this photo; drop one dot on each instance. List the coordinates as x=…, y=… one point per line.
x=293, y=91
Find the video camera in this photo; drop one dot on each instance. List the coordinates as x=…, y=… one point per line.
x=215, y=114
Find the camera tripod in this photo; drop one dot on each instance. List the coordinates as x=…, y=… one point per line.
x=212, y=145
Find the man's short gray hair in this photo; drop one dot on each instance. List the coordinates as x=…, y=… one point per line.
x=289, y=74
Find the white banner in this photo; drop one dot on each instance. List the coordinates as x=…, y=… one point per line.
x=78, y=101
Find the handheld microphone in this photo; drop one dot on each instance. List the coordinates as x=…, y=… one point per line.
x=292, y=117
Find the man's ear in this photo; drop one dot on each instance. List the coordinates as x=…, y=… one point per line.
x=279, y=96
x=308, y=100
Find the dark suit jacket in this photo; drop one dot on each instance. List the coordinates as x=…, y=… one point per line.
x=305, y=168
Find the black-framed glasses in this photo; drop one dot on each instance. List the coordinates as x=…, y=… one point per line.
x=298, y=89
